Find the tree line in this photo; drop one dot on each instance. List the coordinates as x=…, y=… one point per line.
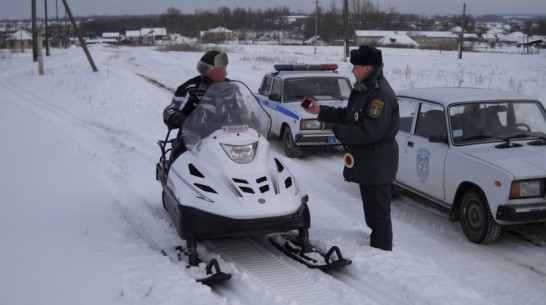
x=329, y=22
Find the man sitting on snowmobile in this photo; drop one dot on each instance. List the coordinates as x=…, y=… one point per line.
x=212, y=67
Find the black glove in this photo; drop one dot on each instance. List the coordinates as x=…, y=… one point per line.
x=178, y=119
x=175, y=120
x=196, y=94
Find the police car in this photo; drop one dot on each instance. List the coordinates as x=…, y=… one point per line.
x=281, y=94
x=480, y=153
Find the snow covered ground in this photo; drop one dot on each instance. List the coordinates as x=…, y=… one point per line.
x=81, y=220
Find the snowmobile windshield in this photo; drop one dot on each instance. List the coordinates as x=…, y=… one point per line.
x=228, y=106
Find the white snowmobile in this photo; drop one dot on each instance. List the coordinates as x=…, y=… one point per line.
x=226, y=184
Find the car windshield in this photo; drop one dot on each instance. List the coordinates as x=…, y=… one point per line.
x=497, y=121
x=321, y=88
x=228, y=106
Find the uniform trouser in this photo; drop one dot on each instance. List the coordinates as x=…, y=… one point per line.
x=376, y=200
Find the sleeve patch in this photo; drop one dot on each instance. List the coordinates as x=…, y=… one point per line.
x=376, y=108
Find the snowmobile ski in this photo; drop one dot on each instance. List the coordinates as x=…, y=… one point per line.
x=213, y=275
x=290, y=244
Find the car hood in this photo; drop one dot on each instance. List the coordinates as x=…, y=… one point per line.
x=296, y=107
x=527, y=161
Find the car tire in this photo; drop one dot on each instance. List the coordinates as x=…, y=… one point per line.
x=477, y=222
x=291, y=149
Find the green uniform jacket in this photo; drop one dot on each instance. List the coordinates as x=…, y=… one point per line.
x=367, y=129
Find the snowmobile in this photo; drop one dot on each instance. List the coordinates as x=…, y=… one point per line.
x=226, y=184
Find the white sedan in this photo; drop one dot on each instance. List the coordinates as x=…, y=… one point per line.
x=481, y=153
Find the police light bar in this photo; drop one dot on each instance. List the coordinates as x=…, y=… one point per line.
x=322, y=67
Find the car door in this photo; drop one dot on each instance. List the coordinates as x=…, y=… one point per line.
x=270, y=86
x=408, y=109
x=275, y=104
x=425, y=150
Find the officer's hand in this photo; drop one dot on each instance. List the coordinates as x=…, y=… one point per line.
x=310, y=105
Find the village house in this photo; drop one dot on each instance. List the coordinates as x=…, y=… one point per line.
x=132, y=37
x=444, y=40
x=438, y=40
x=150, y=35
x=111, y=37
x=19, y=40
x=218, y=34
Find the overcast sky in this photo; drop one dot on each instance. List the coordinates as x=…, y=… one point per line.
x=20, y=9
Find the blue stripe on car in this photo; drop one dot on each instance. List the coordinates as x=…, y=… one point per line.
x=279, y=108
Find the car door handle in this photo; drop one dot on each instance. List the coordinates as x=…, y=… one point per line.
x=410, y=144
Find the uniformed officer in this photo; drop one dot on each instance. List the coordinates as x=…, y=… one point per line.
x=367, y=130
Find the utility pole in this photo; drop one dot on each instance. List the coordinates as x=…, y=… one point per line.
x=346, y=26
x=46, y=30
x=461, y=37
x=316, y=24
x=34, y=32
x=82, y=42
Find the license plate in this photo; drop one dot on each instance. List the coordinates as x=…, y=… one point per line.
x=332, y=140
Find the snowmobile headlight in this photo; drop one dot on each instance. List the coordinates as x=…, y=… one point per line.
x=241, y=153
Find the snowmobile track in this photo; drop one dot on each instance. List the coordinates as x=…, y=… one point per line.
x=279, y=275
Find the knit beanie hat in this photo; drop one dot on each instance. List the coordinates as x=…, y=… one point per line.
x=210, y=61
x=366, y=55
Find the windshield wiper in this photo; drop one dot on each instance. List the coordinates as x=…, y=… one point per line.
x=541, y=139
x=506, y=144
x=507, y=140
x=480, y=137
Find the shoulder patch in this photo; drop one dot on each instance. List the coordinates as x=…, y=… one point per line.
x=377, y=108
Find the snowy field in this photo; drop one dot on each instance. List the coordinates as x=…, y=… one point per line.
x=81, y=219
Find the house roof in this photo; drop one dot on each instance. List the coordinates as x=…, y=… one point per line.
x=397, y=39
x=514, y=37
x=20, y=35
x=132, y=33
x=381, y=34
x=220, y=30
x=110, y=35
x=378, y=34
x=432, y=34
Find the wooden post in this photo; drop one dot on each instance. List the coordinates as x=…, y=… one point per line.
x=46, y=30
x=316, y=24
x=40, y=56
x=346, y=25
x=34, y=32
x=82, y=42
x=461, y=37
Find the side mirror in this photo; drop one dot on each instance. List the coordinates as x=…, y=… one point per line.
x=275, y=97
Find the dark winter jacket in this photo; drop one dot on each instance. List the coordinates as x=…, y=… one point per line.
x=182, y=104
x=367, y=129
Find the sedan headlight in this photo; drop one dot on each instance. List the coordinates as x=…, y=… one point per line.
x=310, y=124
x=527, y=189
x=241, y=153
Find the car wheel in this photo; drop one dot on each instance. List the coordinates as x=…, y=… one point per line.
x=291, y=150
x=476, y=218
